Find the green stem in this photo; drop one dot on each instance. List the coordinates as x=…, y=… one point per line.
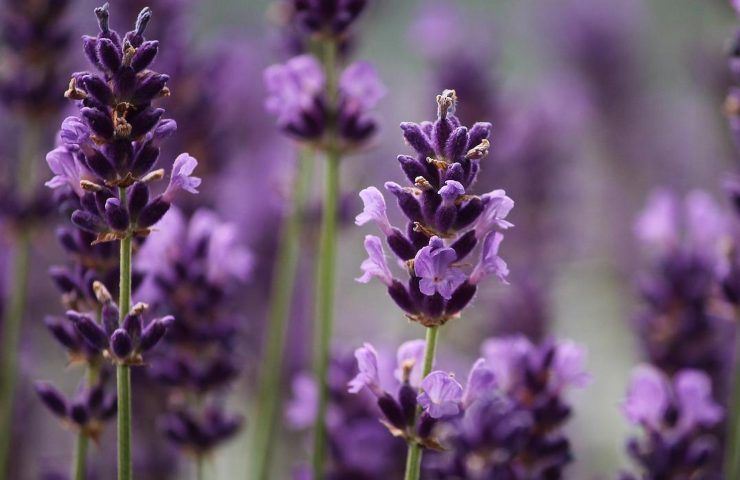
x=15, y=305
x=283, y=285
x=123, y=372
x=79, y=467
x=200, y=470
x=325, y=272
x=732, y=451
x=413, y=458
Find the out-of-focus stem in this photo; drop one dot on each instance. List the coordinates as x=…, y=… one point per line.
x=413, y=459
x=16, y=303
x=123, y=372
x=325, y=272
x=283, y=285
x=732, y=450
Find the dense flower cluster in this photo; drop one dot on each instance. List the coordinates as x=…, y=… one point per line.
x=446, y=222
x=297, y=97
x=108, y=153
x=685, y=322
x=679, y=417
x=191, y=270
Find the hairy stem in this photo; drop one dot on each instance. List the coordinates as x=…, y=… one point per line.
x=123, y=372
x=283, y=285
x=325, y=272
x=413, y=459
x=15, y=305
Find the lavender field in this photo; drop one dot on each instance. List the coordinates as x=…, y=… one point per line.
x=370, y=239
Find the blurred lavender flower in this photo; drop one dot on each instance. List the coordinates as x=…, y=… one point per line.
x=679, y=417
x=446, y=221
x=684, y=322
x=296, y=95
x=192, y=271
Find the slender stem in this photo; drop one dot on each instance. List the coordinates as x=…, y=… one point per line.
x=732, y=452
x=15, y=305
x=123, y=372
x=283, y=285
x=413, y=458
x=200, y=469
x=325, y=272
x=79, y=466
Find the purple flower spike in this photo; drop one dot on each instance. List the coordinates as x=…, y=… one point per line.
x=368, y=376
x=433, y=265
x=374, y=210
x=490, y=263
x=375, y=265
x=181, y=178
x=409, y=358
x=441, y=395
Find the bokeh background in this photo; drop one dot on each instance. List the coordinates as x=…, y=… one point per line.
x=594, y=103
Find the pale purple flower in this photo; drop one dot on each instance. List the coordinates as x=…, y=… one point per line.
x=301, y=410
x=293, y=86
x=498, y=206
x=481, y=382
x=375, y=265
x=368, y=375
x=451, y=191
x=569, y=367
x=648, y=397
x=506, y=357
x=74, y=133
x=360, y=86
x=433, y=264
x=410, y=353
x=694, y=395
x=490, y=263
x=181, y=177
x=706, y=222
x=374, y=210
x=657, y=225
x=227, y=257
x=67, y=170
x=441, y=395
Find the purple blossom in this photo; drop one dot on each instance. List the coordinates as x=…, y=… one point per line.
x=490, y=263
x=181, y=177
x=409, y=360
x=67, y=170
x=451, y=191
x=441, y=395
x=647, y=397
x=361, y=87
x=368, y=376
x=433, y=265
x=293, y=86
x=498, y=206
x=375, y=265
x=481, y=382
x=569, y=367
x=374, y=210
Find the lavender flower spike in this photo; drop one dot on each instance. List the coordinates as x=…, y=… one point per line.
x=441, y=395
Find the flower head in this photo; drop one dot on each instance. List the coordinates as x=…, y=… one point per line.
x=441, y=395
x=433, y=264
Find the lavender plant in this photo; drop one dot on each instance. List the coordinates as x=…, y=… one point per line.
x=108, y=155
x=33, y=45
x=327, y=112
x=445, y=224
x=193, y=270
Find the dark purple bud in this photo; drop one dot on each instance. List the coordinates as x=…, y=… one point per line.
x=415, y=137
x=145, y=159
x=153, y=333
x=137, y=199
x=110, y=316
x=152, y=213
x=455, y=172
x=87, y=221
x=109, y=55
x=52, y=398
x=400, y=295
x=120, y=344
x=430, y=202
x=400, y=245
x=63, y=279
x=99, y=122
x=445, y=217
x=407, y=398
x=89, y=203
x=144, y=55
x=460, y=298
x=90, y=46
x=90, y=331
x=103, y=15
x=119, y=153
x=142, y=20
x=433, y=305
x=426, y=424
x=392, y=411
x=116, y=216
x=469, y=213
x=440, y=134
x=98, y=89
x=149, y=88
x=67, y=239
x=63, y=332
x=78, y=412
x=411, y=167
x=406, y=201
x=457, y=144
x=144, y=121
x=132, y=325
x=100, y=164
x=478, y=132
x=124, y=82
x=464, y=245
